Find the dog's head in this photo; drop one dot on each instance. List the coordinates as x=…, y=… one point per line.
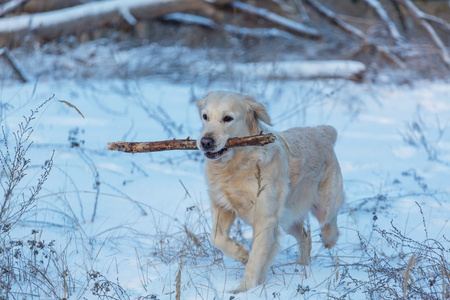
x=225, y=115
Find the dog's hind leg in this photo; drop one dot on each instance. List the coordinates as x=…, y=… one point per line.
x=331, y=199
x=303, y=238
x=222, y=221
x=329, y=233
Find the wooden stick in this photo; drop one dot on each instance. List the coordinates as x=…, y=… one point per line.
x=188, y=144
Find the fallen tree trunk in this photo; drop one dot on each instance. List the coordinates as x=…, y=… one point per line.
x=188, y=144
x=53, y=24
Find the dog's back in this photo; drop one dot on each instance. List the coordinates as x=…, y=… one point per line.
x=315, y=177
x=310, y=145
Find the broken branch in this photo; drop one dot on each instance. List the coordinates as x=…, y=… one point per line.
x=288, y=24
x=336, y=20
x=418, y=16
x=188, y=144
x=13, y=63
x=84, y=17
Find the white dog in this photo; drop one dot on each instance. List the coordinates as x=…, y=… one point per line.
x=268, y=187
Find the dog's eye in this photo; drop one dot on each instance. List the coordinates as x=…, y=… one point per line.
x=205, y=117
x=228, y=119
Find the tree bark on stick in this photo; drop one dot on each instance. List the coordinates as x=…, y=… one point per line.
x=188, y=144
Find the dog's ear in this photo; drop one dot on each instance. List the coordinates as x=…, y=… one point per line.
x=201, y=102
x=258, y=110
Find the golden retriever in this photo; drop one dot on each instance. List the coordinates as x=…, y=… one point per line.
x=269, y=187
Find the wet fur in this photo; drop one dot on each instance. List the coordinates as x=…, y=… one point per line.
x=270, y=187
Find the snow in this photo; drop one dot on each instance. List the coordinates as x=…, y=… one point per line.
x=288, y=69
x=145, y=204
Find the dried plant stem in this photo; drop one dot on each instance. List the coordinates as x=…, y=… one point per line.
x=406, y=274
x=178, y=281
x=259, y=179
x=188, y=144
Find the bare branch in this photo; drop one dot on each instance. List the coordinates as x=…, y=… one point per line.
x=7, y=54
x=11, y=6
x=436, y=20
x=277, y=19
x=53, y=24
x=335, y=19
x=419, y=18
x=393, y=31
x=188, y=144
x=302, y=11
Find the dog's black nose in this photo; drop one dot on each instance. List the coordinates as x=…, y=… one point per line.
x=207, y=143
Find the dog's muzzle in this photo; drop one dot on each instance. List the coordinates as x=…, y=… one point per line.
x=208, y=145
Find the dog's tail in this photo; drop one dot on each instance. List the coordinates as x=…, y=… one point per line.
x=330, y=132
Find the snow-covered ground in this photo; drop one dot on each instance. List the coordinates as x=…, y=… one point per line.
x=142, y=221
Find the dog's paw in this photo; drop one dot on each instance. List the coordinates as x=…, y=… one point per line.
x=237, y=290
x=245, y=285
x=330, y=235
x=330, y=241
x=239, y=253
x=240, y=289
x=243, y=258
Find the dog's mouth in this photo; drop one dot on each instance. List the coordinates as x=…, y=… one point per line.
x=216, y=155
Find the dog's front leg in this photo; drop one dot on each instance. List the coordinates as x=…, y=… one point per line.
x=222, y=221
x=265, y=242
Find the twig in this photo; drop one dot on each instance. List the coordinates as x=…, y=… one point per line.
x=7, y=54
x=259, y=180
x=188, y=144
